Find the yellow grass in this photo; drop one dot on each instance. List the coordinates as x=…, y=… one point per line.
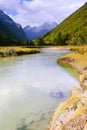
x=5, y=51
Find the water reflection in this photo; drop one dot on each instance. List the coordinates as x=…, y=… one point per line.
x=30, y=89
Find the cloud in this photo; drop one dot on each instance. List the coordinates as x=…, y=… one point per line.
x=36, y=4
x=9, y=5
x=35, y=12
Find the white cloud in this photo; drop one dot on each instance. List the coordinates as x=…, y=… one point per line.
x=9, y=5
x=36, y=4
x=38, y=11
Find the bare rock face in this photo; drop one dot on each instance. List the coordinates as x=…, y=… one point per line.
x=71, y=114
x=66, y=60
x=83, y=80
x=78, y=123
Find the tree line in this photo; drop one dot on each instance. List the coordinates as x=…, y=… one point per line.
x=6, y=41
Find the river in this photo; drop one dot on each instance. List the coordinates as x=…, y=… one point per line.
x=31, y=87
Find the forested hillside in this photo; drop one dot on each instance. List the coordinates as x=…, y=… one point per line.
x=6, y=41
x=72, y=31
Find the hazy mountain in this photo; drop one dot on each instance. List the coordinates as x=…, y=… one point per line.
x=72, y=31
x=11, y=29
x=35, y=32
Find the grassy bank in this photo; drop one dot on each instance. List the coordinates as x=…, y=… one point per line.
x=73, y=48
x=72, y=114
x=77, y=60
x=16, y=51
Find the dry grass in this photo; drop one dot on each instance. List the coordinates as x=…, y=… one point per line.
x=77, y=60
x=69, y=113
x=14, y=51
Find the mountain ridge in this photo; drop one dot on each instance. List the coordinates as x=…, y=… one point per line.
x=10, y=28
x=72, y=31
x=35, y=32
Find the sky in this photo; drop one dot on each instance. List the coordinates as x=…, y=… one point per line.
x=36, y=12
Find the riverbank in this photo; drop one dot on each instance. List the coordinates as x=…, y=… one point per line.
x=77, y=60
x=72, y=114
x=17, y=51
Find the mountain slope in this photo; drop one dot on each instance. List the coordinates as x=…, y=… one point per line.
x=35, y=32
x=11, y=29
x=72, y=31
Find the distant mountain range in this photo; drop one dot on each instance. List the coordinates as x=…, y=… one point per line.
x=10, y=28
x=72, y=31
x=35, y=32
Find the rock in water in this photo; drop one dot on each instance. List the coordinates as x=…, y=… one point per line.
x=57, y=94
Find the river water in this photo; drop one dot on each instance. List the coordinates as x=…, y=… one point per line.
x=31, y=87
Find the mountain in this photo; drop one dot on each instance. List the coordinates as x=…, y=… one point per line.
x=11, y=29
x=35, y=32
x=72, y=31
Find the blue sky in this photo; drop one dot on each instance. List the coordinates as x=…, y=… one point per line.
x=36, y=12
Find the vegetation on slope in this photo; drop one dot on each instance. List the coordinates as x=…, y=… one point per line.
x=72, y=31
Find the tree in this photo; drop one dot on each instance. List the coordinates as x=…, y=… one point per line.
x=58, y=40
x=41, y=42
